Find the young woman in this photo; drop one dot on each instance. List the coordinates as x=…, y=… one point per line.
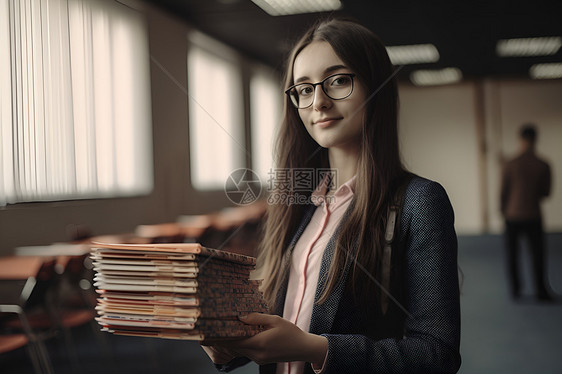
x=343, y=300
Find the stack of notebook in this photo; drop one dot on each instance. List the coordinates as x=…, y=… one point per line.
x=176, y=291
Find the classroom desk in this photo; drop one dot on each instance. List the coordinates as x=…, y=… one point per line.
x=17, y=281
x=20, y=267
x=64, y=253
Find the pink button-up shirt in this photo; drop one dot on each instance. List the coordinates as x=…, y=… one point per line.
x=307, y=257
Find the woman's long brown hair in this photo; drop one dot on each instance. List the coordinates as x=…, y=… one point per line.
x=379, y=167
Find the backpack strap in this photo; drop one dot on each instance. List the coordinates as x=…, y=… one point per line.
x=392, y=227
x=387, y=255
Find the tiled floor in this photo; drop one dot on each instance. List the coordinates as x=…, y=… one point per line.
x=498, y=334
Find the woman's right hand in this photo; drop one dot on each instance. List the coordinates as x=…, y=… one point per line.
x=219, y=355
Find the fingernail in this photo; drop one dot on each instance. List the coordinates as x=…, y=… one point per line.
x=242, y=317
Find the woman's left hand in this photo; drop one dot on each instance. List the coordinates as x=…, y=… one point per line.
x=281, y=341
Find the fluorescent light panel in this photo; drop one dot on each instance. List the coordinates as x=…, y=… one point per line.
x=412, y=54
x=546, y=71
x=435, y=77
x=287, y=7
x=544, y=46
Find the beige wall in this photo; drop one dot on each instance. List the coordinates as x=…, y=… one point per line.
x=439, y=138
x=518, y=102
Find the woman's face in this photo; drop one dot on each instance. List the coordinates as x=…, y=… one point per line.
x=331, y=123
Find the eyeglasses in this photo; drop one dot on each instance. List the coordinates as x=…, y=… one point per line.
x=336, y=87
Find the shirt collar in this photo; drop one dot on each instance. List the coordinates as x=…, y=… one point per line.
x=343, y=193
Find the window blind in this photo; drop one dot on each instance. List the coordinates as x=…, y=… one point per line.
x=216, y=122
x=74, y=101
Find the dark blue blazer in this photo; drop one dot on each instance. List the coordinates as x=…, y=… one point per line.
x=420, y=333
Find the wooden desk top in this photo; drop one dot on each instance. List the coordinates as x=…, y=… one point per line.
x=20, y=267
x=57, y=249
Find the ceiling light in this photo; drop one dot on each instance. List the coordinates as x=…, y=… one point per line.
x=286, y=7
x=546, y=71
x=528, y=46
x=412, y=54
x=435, y=77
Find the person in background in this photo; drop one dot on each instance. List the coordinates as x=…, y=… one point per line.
x=342, y=300
x=526, y=181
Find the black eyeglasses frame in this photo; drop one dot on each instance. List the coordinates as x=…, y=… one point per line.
x=321, y=84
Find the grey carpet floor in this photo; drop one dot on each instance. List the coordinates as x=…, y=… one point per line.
x=501, y=335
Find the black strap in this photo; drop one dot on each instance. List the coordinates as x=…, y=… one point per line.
x=392, y=229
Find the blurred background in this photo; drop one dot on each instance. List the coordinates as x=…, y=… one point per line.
x=123, y=120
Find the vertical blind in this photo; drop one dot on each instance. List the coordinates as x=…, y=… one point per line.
x=216, y=120
x=265, y=102
x=74, y=101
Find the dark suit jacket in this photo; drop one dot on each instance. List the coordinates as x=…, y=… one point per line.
x=421, y=331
